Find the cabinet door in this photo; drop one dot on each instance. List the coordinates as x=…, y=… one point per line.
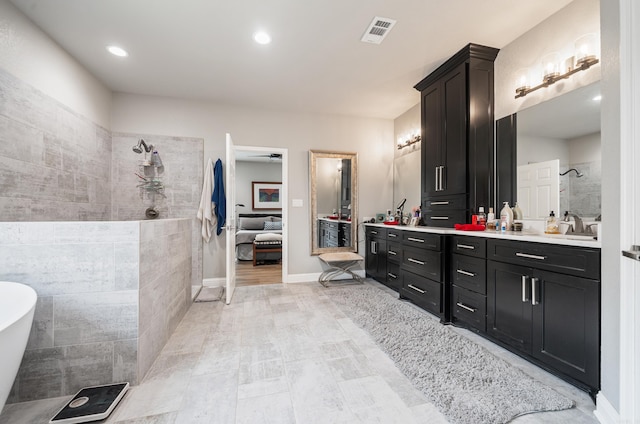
x=566, y=325
x=431, y=144
x=454, y=150
x=509, y=304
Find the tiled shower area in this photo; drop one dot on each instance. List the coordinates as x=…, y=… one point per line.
x=111, y=285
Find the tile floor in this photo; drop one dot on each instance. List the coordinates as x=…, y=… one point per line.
x=282, y=354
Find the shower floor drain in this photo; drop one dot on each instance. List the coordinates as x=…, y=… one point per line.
x=91, y=404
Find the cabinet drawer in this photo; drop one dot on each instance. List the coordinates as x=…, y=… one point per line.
x=469, y=273
x=445, y=203
x=393, y=276
x=376, y=232
x=445, y=218
x=470, y=246
x=394, y=235
x=421, y=240
x=423, y=291
x=470, y=308
x=578, y=261
x=394, y=252
x=422, y=262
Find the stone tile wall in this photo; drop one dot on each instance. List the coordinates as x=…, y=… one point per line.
x=55, y=165
x=85, y=329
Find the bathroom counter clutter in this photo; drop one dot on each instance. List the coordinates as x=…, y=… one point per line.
x=562, y=239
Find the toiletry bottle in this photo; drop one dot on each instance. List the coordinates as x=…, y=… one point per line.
x=491, y=217
x=517, y=212
x=482, y=218
x=551, y=224
x=506, y=215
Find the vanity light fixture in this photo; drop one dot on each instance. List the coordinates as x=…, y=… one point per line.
x=409, y=139
x=584, y=57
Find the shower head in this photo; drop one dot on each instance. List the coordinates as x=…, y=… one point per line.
x=138, y=148
x=578, y=173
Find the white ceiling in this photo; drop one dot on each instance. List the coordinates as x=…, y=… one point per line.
x=203, y=49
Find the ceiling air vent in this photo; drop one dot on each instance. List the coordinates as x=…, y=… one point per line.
x=378, y=29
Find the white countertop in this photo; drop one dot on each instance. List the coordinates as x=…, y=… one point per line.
x=567, y=240
x=346, y=221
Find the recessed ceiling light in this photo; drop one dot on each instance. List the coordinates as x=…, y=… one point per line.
x=262, y=37
x=117, y=51
x=597, y=98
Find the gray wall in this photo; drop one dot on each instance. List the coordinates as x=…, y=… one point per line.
x=248, y=172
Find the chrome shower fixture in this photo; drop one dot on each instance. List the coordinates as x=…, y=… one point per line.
x=141, y=143
x=578, y=173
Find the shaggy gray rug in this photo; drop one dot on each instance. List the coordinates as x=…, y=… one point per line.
x=466, y=382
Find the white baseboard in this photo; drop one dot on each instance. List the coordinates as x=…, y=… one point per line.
x=605, y=412
x=291, y=278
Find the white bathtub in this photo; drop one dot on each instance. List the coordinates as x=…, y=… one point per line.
x=17, y=303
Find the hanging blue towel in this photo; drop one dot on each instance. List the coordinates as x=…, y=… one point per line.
x=218, y=197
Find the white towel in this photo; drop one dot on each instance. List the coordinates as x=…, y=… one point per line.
x=205, y=211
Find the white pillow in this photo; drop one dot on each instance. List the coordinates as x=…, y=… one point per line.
x=268, y=236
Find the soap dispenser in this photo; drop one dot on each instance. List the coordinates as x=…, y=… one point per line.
x=506, y=216
x=551, y=225
x=517, y=212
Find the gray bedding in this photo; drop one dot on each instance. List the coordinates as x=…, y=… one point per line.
x=244, y=242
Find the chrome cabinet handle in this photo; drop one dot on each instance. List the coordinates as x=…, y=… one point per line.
x=374, y=232
x=438, y=203
x=437, y=180
x=411, y=286
x=415, y=261
x=470, y=274
x=466, y=246
x=534, y=301
x=634, y=253
x=415, y=239
x=440, y=217
x=442, y=178
x=524, y=288
x=392, y=253
x=393, y=235
x=374, y=248
x=463, y=306
x=392, y=275
x=528, y=256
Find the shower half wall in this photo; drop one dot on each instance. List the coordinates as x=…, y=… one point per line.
x=109, y=296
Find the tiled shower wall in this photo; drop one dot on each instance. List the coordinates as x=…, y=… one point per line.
x=55, y=165
x=183, y=174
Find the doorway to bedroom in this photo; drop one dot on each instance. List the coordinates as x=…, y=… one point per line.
x=260, y=184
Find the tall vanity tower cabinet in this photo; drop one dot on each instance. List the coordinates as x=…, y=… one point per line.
x=457, y=137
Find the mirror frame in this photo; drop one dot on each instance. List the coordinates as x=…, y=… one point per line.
x=314, y=155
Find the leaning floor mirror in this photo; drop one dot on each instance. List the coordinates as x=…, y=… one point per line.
x=334, y=201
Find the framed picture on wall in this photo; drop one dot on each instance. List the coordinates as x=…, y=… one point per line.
x=266, y=195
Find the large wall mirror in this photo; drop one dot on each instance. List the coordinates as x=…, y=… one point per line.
x=558, y=160
x=334, y=201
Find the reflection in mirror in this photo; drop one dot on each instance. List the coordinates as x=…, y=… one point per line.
x=564, y=134
x=333, y=177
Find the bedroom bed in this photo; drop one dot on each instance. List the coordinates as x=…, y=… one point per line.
x=249, y=226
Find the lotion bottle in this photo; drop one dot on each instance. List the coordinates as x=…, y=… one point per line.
x=551, y=224
x=506, y=215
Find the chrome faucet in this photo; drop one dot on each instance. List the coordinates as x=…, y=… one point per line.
x=579, y=227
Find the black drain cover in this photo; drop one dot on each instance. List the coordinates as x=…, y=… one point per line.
x=91, y=404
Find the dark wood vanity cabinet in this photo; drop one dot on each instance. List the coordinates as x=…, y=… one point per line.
x=376, y=255
x=468, y=282
x=544, y=301
x=422, y=271
x=457, y=145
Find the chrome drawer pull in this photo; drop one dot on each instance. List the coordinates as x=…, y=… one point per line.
x=411, y=286
x=524, y=288
x=438, y=203
x=392, y=253
x=415, y=261
x=374, y=232
x=470, y=274
x=415, y=239
x=393, y=235
x=463, y=306
x=465, y=246
x=534, y=301
x=374, y=248
x=528, y=256
x=392, y=275
x=442, y=218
